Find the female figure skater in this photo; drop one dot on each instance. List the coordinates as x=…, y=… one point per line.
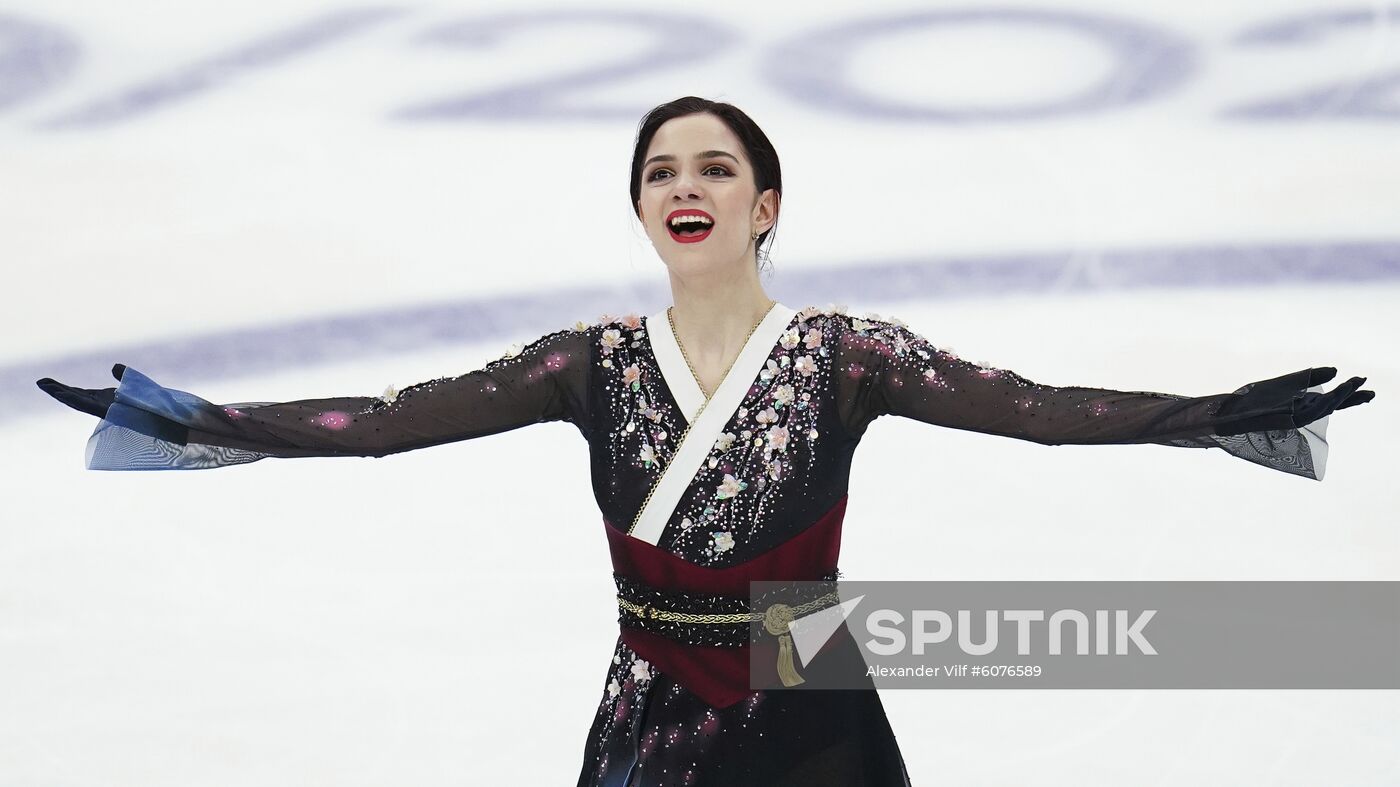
x=720, y=431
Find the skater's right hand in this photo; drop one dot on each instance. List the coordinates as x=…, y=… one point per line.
x=94, y=401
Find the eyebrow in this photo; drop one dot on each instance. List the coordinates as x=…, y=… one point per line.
x=701, y=155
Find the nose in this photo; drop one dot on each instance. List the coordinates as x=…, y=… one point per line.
x=686, y=187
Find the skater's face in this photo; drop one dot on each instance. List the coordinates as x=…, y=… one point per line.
x=695, y=164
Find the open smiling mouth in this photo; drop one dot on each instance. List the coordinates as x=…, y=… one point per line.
x=690, y=228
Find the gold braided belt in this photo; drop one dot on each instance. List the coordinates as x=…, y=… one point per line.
x=729, y=621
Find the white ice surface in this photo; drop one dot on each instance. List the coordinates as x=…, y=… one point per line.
x=348, y=622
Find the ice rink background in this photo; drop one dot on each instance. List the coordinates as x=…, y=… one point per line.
x=265, y=202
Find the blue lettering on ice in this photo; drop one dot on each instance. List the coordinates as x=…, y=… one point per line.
x=812, y=67
x=1372, y=96
x=677, y=41
x=219, y=70
x=1148, y=62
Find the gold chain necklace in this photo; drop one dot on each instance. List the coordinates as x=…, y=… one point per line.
x=681, y=440
x=700, y=385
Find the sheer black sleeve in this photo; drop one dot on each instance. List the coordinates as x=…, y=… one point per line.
x=150, y=427
x=886, y=368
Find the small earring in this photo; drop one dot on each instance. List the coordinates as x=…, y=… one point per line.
x=754, y=236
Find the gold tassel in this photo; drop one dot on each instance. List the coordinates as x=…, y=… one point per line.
x=776, y=620
x=786, y=669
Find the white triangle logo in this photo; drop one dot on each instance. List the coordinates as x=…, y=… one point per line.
x=810, y=632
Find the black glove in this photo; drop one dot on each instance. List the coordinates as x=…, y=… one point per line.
x=94, y=401
x=1304, y=407
x=1311, y=406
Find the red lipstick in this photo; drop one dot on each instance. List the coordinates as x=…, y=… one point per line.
x=690, y=227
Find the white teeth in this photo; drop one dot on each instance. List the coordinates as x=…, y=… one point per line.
x=701, y=220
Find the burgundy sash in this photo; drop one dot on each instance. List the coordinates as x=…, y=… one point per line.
x=717, y=674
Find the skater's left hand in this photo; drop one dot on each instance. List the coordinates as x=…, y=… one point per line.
x=1304, y=407
x=1311, y=406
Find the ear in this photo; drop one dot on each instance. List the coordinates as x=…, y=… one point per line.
x=766, y=210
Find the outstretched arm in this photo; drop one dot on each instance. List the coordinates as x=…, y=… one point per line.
x=889, y=369
x=146, y=426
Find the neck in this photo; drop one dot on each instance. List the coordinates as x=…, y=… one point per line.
x=714, y=320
